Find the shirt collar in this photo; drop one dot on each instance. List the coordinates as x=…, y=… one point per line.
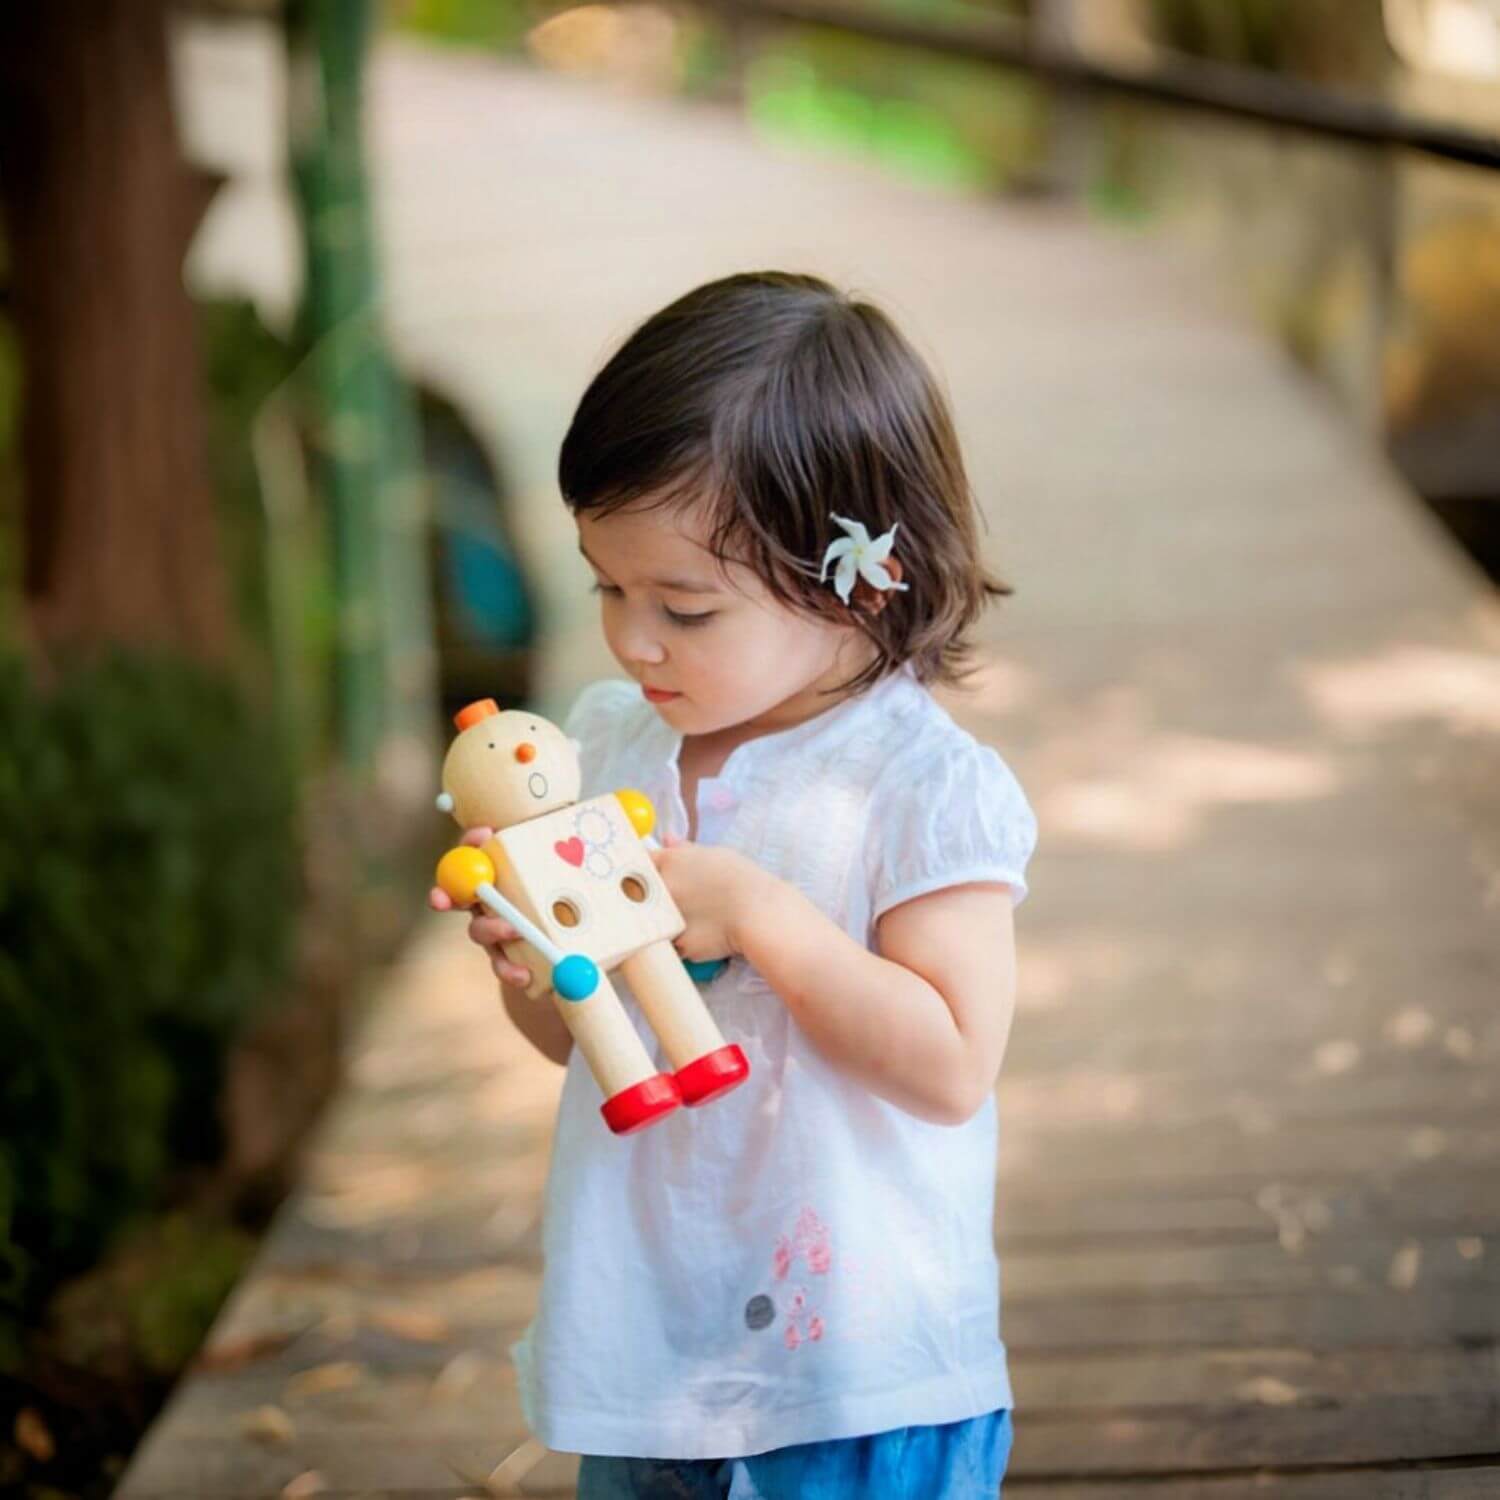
x=780, y=742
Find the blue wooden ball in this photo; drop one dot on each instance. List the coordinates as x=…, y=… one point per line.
x=576, y=977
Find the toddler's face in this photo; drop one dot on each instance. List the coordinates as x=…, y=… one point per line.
x=680, y=621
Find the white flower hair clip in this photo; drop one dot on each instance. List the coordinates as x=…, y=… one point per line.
x=857, y=554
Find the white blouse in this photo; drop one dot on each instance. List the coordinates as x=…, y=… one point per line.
x=798, y=1259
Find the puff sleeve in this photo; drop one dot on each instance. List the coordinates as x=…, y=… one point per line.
x=592, y=724
x=948, y=816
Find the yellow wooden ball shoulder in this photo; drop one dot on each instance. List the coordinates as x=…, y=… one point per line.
x=462, y=871
x=638, y=809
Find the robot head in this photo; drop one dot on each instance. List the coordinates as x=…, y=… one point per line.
x=507, y=767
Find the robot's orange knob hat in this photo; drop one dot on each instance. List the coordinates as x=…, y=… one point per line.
x=472, y=713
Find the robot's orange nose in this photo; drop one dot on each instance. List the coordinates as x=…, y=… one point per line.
x=525, y=751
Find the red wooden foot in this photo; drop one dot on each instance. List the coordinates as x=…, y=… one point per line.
x=712, y=1074
x=642, y=1104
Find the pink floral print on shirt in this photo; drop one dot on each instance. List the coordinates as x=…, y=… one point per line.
x=809, y=1240
x=808, y=1243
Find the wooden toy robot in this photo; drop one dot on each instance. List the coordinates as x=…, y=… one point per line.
x=576, y=880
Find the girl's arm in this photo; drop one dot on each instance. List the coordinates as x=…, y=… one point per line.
x=539, y=1022
x=923, y=1022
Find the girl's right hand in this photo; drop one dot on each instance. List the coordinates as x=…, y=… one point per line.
x=485, y=928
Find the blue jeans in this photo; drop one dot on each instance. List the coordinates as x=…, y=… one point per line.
x=957, y=1461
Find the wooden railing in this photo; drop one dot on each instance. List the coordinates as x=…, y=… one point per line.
x=1189, y=83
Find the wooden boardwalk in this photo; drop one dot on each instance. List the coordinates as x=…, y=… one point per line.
x=1249, y=1204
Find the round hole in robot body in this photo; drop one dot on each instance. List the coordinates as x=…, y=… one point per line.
x=566, y=912
x=635, y=888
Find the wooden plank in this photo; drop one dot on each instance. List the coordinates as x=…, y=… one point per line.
x=1182, y=1379
x=1174, y=1030
x=381, y=1463
x=1375, y=1260
x=1434, y=1316
x=1436, y=1086
x=554, y=1476
x=1356, y=1430
x=1423, y=1199
x=309, y=1301
x=1209, y=1152
x=1405, y=1483
x=460, y=1393
x=1236, y=1054
x=1218, y=883
x=447, y=1492
x=406, y=1248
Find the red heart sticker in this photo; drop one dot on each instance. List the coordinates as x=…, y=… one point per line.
x=570, y=849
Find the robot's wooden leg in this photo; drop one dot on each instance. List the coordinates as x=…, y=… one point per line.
x=706, y=1066
x=635, y=1094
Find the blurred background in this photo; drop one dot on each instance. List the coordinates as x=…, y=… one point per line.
x=295, y=300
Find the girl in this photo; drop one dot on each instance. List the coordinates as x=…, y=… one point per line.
x=793, y=1291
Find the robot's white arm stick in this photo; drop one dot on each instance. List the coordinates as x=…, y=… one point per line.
x=521, y=922
x=575, y=976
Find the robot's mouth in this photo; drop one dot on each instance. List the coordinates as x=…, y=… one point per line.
x=537, y=784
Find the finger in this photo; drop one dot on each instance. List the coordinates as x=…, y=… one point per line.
x=671, y=840
x=517, y=975
x=477, y=836
x=491, y=931
x=439, y=900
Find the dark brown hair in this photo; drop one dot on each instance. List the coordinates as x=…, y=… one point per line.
x=773, y=399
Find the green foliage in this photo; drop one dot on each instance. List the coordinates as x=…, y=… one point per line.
x=275, y=542
x=1126, y=178
x=497, y=24
x=197, y=1263
x=932, y=118
x=936, y=119
x=148, y=884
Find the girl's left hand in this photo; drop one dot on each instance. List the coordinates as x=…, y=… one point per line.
x=715, y=890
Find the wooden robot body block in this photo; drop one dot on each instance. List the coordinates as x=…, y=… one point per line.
x=582, y=874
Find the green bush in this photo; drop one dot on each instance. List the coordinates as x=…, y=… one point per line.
x=148, y=886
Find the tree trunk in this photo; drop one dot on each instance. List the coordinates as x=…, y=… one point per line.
x=120, y=532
